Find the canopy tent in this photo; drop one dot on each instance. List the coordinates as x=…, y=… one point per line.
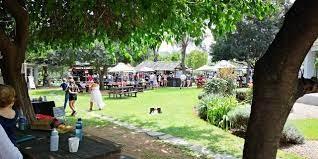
x=160, y=65
x=223, y=64
x=121, y=67
x=206, y=68
x=145, y=69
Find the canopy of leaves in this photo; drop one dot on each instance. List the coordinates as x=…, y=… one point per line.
x=249, y=42
x=65, y=23
x=196, y=59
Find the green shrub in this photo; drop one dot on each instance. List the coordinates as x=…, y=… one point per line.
x=203, y=106
x=220, y=86
x=239, y=117
x=244, y=95
x=291, y=135
x=218, y=107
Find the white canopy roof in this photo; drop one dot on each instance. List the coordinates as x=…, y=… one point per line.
x=206, y=68
x=146, y=69
x=121, y=67
x=223, y=64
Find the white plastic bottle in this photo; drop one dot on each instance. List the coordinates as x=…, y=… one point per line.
x=54, y=140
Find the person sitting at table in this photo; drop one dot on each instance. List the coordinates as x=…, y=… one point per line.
x=73, y=90
x=8, y=116
x=96, y=96
x=8, y=150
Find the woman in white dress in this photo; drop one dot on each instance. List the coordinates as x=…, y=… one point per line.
x=96, y=96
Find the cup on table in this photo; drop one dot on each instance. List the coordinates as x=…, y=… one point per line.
x=73, y=143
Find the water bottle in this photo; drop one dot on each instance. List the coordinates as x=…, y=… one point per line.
x=78, y=130
x=54, y=140
x=22, y=123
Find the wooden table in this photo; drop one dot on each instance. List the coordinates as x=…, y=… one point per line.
x=125, y=90
x=91, y=147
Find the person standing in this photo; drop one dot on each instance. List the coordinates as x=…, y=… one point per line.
x=151, y=79
x=165, y=80
x=188, y=80
x=96, y=96
x=73, y=91
x=183, y=78
x=64, y=86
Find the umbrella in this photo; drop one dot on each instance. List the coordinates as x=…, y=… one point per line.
x=146, y=69
x=121, y=67
x=223, y=64
x=206, y=68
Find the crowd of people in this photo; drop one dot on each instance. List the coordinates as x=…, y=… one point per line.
x=71, y=90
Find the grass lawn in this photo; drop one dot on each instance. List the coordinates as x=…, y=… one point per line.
x=308, y=127
x=178, y=117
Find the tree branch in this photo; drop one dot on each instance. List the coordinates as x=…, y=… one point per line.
x=5, y=43
x=21, y=17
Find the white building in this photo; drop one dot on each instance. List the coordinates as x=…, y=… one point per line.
x=309, y=62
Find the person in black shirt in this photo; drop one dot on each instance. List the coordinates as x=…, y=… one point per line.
x=64, y=86
x=8, y=116
x=73, y=91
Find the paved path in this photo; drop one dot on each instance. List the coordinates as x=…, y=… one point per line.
x=302, y=111
x=308, y=150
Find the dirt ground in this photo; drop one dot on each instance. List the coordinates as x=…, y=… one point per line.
x=138, y=145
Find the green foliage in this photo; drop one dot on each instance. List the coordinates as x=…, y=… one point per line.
x=244, y=95
x=220, y=86
x=239, y=118
x=218, y=107
x=203, y=105
x=249, y=42
x=196, y=59
x=291, y=135
x=174, y=56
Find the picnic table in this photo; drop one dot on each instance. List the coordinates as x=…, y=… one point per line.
x=122, y=91
x=90, y=147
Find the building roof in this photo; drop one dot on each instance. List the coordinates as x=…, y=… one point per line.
x=160, y=65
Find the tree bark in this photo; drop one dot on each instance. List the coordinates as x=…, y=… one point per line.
x=155, y=54
x=13, y=51
x=45, y=77
x=276, y=84
x=184, y=45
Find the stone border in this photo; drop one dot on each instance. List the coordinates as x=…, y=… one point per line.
x=197, y=149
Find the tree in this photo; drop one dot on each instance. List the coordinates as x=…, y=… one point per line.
x=276, y=84
x=249, y=42
x=101, y=56
x=197, y=59
x=73, y=24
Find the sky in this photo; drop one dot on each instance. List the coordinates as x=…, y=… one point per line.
x=206, y=43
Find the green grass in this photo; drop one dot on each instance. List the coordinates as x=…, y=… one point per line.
x=178, y=117
x=308, y=127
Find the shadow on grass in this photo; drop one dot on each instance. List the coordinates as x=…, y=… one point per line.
x=211, y=137
x=94, y=122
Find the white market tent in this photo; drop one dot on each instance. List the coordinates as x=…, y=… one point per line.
x=121, y=67
x=146, y=69
x=223, y=64
x=206, y=68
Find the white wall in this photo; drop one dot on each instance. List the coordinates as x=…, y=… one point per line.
x=309, y=62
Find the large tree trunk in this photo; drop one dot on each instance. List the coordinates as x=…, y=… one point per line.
x=276, y=84
x=184, y=45
x=155, y=54
x=45, y=77
x=13, y=51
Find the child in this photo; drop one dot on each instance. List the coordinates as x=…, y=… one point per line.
x=8, y=116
